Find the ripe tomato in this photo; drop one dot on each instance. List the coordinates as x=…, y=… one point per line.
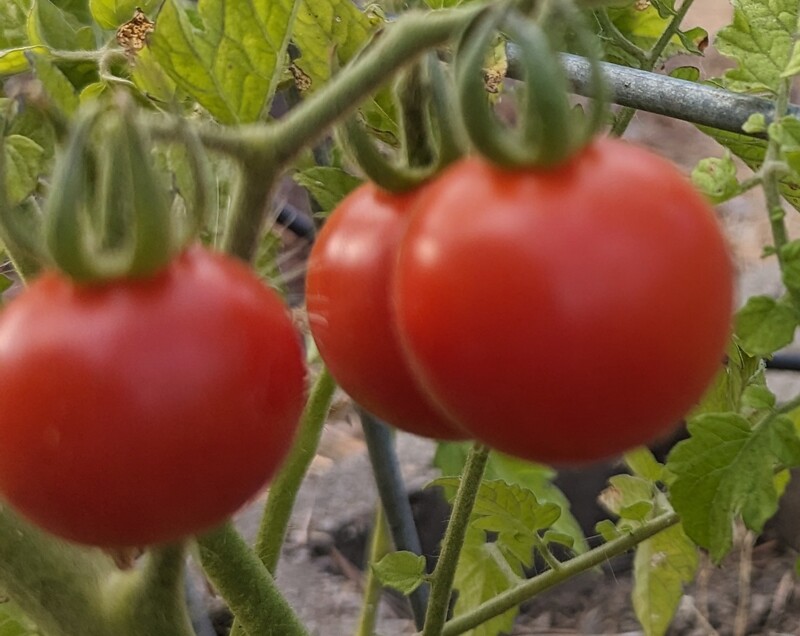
x=347, y=297
x=141, y=411
x=565, y=315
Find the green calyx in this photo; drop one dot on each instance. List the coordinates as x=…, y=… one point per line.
x=108, y=214
x=549, y=130
x=430, y=138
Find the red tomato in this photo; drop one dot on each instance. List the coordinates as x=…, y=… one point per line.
x=347, y=297
x=565, y=315
x=140, y=411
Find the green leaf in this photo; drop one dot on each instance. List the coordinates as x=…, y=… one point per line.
x=13, y=16
x=109, y=14
x=716, y=178
x=228, y=56
x=328, y=185
x=23, y=165
x=726, y=469
x=644, y=28
x=765, y=325
x=727, y=392
x=151, y=79
x=15, y=60
x=538, y=478
x=628, y=497
x=643, y=464
x=760, y=40
x=661, y=567
x=56, y=85
x=756, y=123
x=402, y=571
x=483, y=572
x=13, y=621
x=608, y=530
x=66, y=26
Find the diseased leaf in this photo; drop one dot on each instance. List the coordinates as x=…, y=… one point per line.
x=760, y=40
x=765, y=325
x=726, y=469
x=328, y=35
x=661, y=567
x=402, y=571
x=228, y=56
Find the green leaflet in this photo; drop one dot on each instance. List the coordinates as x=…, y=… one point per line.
x=109, y=14
x=24, y=158
x=661, y=567
x=727, y=469
x=12, y=23
x=761, y=40
x=229, y=55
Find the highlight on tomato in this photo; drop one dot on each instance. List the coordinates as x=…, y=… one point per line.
x=564, y=314
x=140, y=411
x=350, y=316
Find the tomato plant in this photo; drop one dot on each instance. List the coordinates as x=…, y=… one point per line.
x=565, y=315
x=348, y=304
x=142, y=411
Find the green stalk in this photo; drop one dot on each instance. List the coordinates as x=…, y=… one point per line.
x=444, y=574
x=530, y=588
x=150, y=600
x=246, y=585
x=284, y=488
x=380, y=545
x=619, y=38
x=625, y=116
x=57, y=584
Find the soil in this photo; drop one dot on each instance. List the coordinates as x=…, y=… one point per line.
x=755, y=591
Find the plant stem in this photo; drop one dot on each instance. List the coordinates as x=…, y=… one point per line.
x=394, y=499
x=380, y=545
x=443, y=575
x=528, y=589
x=151, y=599
x=286, y=484
x=619, y=38
x=246, y=585
x=283, y=490
x=625, y=116
x=394, y=48
x=57, y=584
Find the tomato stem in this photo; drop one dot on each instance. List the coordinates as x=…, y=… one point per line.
x=625, y=115
x=150, y=599
x=286, y=484
x=283, y=490
x=394, y=498
x=444, y=574
x=380, y=545
x=246, y=585
x=568, y=569
x=32, y=561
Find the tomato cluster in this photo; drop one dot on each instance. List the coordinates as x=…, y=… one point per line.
x=561, y=315
x=140, y=411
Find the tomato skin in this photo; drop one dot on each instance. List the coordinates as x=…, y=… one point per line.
x=347, y=297
x=567, y=315
x=141, y=411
